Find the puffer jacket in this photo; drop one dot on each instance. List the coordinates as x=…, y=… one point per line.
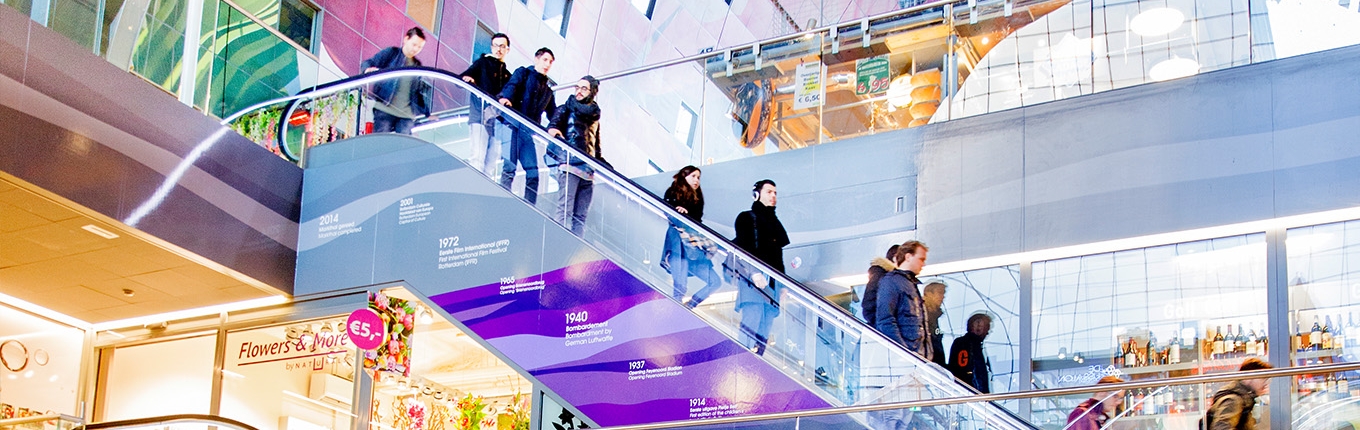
x=901, y=312
x=877, y=268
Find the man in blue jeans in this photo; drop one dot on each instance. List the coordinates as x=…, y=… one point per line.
x=529, y=92
x=401, y=100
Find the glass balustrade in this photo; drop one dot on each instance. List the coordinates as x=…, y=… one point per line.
x=793, y=328
x=37, y=420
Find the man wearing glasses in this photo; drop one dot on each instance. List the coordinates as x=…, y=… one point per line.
x=577, y=122
x=489, y=75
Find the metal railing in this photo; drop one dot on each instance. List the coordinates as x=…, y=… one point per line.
x=212, y=420
x=1019, y=395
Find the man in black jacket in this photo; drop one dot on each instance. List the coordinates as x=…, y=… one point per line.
x=528, y=92
x=966, y=359
x=489, y=75
x=578, y=123
x=760, y=233
x=877, y=268
x=402, y=100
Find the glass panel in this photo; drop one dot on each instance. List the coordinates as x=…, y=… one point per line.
x=296, y=21
x=792, y=328
x=159, y=45
x=253, y=64
x=425, y=12
x=1324, y=284
x=1141, y=313
x=33, y=422
x=112, y=10
x=994, y=293
x=78, y=20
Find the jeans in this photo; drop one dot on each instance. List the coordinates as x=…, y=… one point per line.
x=521, y=151
x=486, y=145
x=682, y=267
x=756, y=321
x=387, y=123
x=574, y=200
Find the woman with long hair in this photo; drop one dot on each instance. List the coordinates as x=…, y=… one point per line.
x=683, y=256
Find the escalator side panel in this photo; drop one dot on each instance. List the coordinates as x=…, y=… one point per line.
x=627, y=355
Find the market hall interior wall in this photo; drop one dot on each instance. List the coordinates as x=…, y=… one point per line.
x=1244, y=144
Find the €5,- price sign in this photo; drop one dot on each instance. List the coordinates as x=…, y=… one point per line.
x=366, y=329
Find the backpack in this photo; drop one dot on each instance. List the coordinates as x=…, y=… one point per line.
x=1209, y=414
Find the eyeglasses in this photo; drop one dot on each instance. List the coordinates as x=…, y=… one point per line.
x=583, y=87
x=499, y=45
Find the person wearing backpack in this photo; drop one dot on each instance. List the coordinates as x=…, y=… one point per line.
x=1232, y=404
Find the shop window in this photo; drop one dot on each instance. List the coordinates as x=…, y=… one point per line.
x=1324, y=284
x=39, y=363
x=557, y=13
x=645, y=6
x=165, y=378
x=1165, y=311
x=425, y=12
x=300, y=374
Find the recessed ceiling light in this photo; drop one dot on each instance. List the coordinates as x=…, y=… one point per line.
x=99, y=231
x=1156, y=22
x=1173, y=68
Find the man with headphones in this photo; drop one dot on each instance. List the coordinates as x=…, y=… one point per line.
x=759, y=233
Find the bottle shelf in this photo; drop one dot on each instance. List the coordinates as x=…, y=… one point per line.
x=1315, y=354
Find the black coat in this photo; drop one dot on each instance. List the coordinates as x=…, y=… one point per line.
x=869, y=304
x=967, y=362
x=391, y=58
x=530, y=93
x=580, y=126
x=760, y=233
x=489, y=75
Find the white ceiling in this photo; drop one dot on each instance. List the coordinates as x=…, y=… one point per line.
x=47, y=259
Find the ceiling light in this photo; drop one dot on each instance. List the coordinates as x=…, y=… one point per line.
x=986, y=40
x=1156, y=22
x=99, y=231
x=1173, y=68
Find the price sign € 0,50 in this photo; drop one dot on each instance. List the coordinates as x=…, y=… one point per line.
x=366, y=329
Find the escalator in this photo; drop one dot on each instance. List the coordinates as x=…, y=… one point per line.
x=589, y=316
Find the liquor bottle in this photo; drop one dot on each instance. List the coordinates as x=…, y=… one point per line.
x=1298, y=341
x=1130, y=354
x=1174, y=351
x=1150, y=402
x=1118, y=353
x=1339, y=337
x=1253, y=343
x=1315, y=335
x=1217, y=350
x=1343, y=385
x=1327, y=334
x=1331, y=383
x=1263, y=343
x=1240, y=342
x=1151, y=351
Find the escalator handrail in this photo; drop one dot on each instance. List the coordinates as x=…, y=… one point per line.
x=843, y=319
x=1018, y=395
x=814, y=302
x=213, y=420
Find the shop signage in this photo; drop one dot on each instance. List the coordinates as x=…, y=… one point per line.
x=807, y=82
x=262, y=350
x=366, y=329
x=872, y=75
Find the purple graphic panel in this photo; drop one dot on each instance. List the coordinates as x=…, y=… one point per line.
x=619, y=351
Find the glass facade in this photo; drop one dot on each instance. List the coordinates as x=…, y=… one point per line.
x=1324, y=288
x=996, y=293
x=40, y=365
